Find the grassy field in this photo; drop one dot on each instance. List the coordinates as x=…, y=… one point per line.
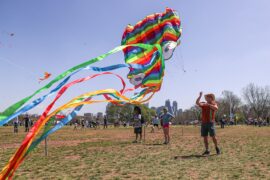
x=109, y=154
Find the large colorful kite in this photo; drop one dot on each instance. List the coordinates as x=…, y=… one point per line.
x=145, y=45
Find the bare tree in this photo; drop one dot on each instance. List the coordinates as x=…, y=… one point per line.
x=230, y=101
x=245, y=111
x=258, y=98
x=187, y=116
x=196, y=111
x=223, y=108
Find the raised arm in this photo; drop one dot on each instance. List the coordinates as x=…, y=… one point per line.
x=199, y=99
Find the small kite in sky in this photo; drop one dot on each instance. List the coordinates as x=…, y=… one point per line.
x=46, y=76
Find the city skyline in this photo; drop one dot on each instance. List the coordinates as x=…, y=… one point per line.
x=172, y=107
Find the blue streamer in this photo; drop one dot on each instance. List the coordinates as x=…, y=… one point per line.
x=41, y=99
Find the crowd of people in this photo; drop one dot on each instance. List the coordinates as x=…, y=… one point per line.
x=159, y=121
x=84, y=123
x=208, y=110
x=258, y=122
x=27, y=123
x=255, y=122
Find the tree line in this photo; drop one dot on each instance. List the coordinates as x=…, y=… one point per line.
x=124, y=113
x=254, y=104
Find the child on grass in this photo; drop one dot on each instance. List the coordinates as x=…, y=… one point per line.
x=16, y=125
x=155, y=123
x=138, y=123
x=26, y=123
x=166, y=118
x=209, y=109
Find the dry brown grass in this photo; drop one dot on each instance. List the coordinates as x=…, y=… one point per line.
x=109, y=154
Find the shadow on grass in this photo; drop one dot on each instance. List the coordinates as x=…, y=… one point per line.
x=104, y=143
x=155, y=144
x=193, y=156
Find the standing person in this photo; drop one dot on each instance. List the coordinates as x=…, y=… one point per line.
x=156, y=121
x=86, y=123
x=82, y=123
x=97, y=122
x=31, y=123
x=105, y=125
x=222, y=122
x=26, y=123
x=138, y=123
x=75, y=125
x=209, y=109
x=166, y=118
x=16, y=125
x=94, y=124
x=152, y=125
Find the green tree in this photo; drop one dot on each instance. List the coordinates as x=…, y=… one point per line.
x=125, y=113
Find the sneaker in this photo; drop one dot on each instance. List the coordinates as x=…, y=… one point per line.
x=206, y=152
x=165, y=142
x=217, y=150
x=134, y=141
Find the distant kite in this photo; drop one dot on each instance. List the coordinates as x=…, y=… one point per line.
x=6, y=44
x=46, y=76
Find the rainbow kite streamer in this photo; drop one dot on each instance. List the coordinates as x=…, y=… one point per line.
x=145, y=45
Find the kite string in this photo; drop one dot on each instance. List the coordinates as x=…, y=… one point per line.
x=18, y=66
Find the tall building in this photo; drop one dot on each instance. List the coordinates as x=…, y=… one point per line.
x=175, y=108
x=180, y=111
x=168, y=105
x=88, y=116
x=154, y=108
x=100, y=116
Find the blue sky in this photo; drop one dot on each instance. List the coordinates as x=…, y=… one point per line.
x=225, y=45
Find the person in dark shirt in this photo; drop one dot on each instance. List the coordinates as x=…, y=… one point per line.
x=222, y=123
x=105, y=125
x=137, y=123
x=26, y=123
x=16, y=125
